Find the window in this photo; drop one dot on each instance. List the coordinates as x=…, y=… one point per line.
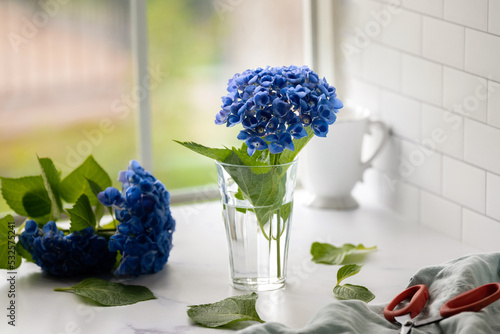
x=200, y=45
x=67, y=83
x=65, y=74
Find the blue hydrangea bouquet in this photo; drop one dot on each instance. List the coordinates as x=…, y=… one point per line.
x=279, y=109
x=138, y=241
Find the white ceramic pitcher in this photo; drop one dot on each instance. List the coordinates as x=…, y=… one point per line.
x=332, y=166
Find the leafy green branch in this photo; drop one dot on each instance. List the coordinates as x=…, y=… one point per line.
x=42, y=197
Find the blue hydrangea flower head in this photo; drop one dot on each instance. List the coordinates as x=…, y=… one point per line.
x=275, y=105
x=81, y=252
x=144, y=235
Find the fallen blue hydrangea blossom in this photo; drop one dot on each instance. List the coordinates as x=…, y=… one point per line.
x=144, y=234
x=81, y=252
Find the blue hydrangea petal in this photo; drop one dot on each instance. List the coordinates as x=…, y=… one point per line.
x=337, y=104
x=319, y=127
x=31, y=227
x=276, y=147
x=50, y=227
x=297, y=131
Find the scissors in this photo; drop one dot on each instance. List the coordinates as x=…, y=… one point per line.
x=469, y=301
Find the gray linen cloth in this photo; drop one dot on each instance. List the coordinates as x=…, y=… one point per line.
x=444, y=281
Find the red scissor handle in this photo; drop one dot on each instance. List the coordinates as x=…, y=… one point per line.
x=472, y=300
x=418, y=294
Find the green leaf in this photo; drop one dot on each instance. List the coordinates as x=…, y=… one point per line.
x=99, y=212
x=27, y=197
x=219, y=154
x=288, y=156
x=9, y=258
x=24, y=253
x=99, y=208
x=286, y=210
x=109, y=293
x=76, y=184
x=263, y=186
x=81, y=215
x=229, y=310
x=347, y=271
x=51, y=181
x=253, y=160
x=349, y=291
x=96, y=189
x=328, y=254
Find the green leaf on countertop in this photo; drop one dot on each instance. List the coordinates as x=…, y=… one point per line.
x=329, y=254
x=347, y=271
x=229, y=310
x=27, y=197
x=349, y=291
x=52, y=182
x=9, y=258
x=76, y=183
x=107, y=293
x=81, y=215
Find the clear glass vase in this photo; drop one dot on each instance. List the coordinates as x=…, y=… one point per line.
x=257, y=205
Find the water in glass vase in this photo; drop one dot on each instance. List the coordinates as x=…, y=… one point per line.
x=257, y=250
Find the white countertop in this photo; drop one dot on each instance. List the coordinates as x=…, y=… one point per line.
x=197, y=273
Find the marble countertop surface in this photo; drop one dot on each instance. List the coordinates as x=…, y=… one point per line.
x=197, y=273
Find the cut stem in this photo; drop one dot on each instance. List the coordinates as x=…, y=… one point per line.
x=278, y=237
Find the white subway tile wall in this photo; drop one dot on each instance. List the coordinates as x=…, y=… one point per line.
x=469, y=190
x=402, y=115
x=440, y=214
x=422, y=79
x=482, y=51
x=433, y=74
x=421, y=166
x=492, y=196
x=442, y=130
x=429, y=7
x=494, y=103
x=443, y=42
x=458, y=86
x=408, y=21
x=472, y=14
x=493, y=15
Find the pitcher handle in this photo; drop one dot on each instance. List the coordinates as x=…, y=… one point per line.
x=385, y=137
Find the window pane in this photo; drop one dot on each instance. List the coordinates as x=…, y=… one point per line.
x=200, y=44
x=65, y=85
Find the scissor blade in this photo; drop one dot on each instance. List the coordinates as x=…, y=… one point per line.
x=427, y=321
x=406, y=323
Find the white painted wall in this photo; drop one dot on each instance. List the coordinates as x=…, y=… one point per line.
x=431, y=70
